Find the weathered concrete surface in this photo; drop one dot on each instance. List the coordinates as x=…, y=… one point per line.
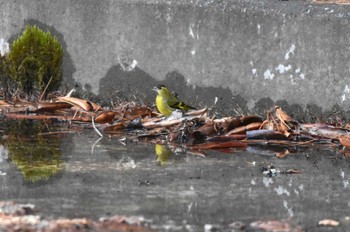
x=250, y=54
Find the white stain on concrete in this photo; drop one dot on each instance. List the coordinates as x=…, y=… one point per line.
x=301, y=75
x=4, y=47
x=254, y=71
x=268, y=75
x=193, y=52
x=282, y=69
x=259, y=28
x=346, y=92
x=289, y=209
x=267, y=181
x=292, y=81
x=252, y=182
x=281, y=190
x=289, y=52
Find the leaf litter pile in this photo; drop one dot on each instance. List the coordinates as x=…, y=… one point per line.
x=194, y=132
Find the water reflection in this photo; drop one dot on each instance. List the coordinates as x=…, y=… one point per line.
x=36, y=156
x=3, y=157
x=163, y=153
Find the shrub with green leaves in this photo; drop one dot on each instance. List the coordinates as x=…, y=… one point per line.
x=5, y=79
x=36, y=57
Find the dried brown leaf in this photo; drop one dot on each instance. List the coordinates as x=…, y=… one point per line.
x=243, y=129
x=275, y=226
x=105, y=117
x=345, y=140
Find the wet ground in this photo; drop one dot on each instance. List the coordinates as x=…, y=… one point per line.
x=71, y=175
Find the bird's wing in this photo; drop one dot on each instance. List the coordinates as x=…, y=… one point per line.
x=181, y=106
x=175, y=103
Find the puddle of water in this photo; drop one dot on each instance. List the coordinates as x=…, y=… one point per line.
x=70, y=175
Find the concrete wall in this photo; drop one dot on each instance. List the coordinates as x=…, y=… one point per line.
x=250, y=54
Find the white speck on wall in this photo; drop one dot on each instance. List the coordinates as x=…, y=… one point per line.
x=342, y=174
x=4, y=47
x=301, y=187
x=193, y=52
x=296, y=192
x=268, y=75
x=346, y=91
x=254, y=71
x=128, y=67
x=290, y=51
x=191, y=32
x=302, y=76
x=169, y=18
x=216, y=99
x=343, y=98
x=251, y=63
x=282, y=69
x=259, y=27
x=297, y=70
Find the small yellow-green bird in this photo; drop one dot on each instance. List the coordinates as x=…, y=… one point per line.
x=166, y=102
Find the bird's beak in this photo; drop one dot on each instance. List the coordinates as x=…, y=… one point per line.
x=155, y=88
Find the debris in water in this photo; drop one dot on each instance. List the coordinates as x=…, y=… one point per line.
x=20, y=217
x=272, y=171
x=275, y=226
x=328, y=222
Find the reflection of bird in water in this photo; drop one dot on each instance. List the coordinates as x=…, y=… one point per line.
x=166, y=102
x=163, y=153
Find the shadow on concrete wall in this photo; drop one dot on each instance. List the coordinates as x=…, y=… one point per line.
x=118, y=84
x=311, y=113
x=68, y=67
